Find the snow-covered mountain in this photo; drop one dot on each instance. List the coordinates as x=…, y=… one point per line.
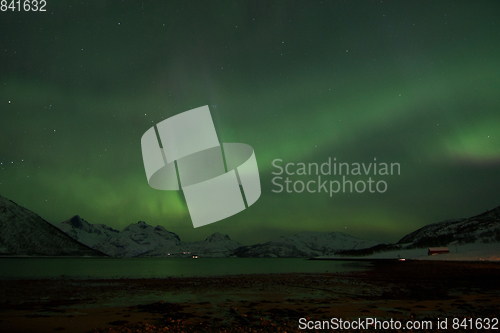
x=214, y=246
x=483, y=228
x=143, y=240
x=86, y=233
x=134, y=240
x=23, y=232
x=137, y=239
x=305, y=244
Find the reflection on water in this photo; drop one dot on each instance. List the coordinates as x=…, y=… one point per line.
x=39, y=268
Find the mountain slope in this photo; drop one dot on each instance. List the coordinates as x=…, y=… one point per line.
x=137, y=239
x=134, y=240
x=143, y=240
x=23, y=232
x=305, y=244
x=86, y=233
x=482, y=228
x=214, y=246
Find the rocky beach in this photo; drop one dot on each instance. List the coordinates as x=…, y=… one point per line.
x=409, y=290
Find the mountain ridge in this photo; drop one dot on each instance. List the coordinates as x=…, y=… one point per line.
x=77, y=236
x=481, y=228
x=24, y=232
x=142, y=240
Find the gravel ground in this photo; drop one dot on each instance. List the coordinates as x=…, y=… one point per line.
x=410, y=290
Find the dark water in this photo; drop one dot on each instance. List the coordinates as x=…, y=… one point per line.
x=39, y=268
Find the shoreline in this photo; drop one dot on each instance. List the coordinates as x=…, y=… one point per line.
x=248, y=302
x=471, y=261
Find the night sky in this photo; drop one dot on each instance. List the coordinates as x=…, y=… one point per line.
x=414, y=83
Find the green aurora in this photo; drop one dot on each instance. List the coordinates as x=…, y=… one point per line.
x=302, y=81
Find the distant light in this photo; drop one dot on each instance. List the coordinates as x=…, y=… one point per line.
x=402, y=259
